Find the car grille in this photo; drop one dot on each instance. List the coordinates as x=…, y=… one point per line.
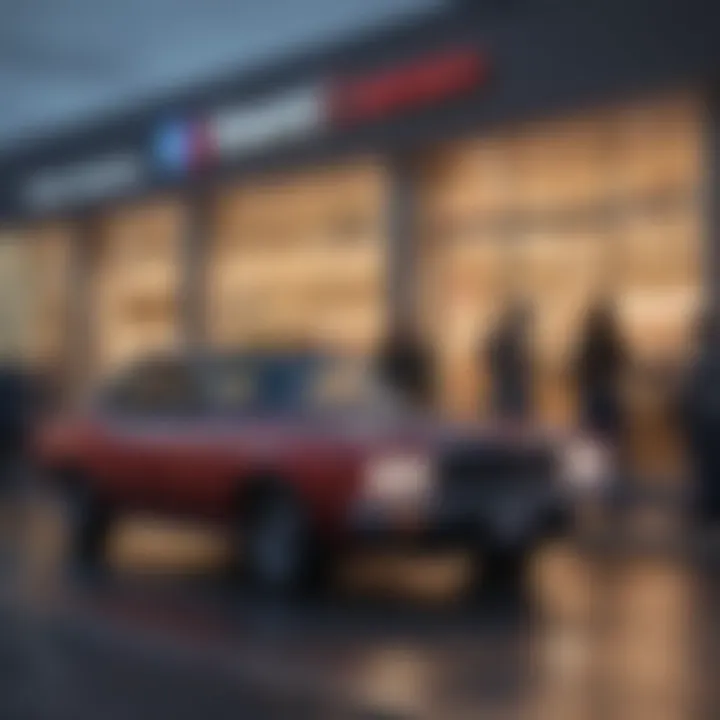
x=467, y=469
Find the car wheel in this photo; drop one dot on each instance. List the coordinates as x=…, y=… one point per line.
x=90, y=519
x=281, y=553
x=502, y=567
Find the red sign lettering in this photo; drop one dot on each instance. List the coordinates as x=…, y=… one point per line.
x=413, y=84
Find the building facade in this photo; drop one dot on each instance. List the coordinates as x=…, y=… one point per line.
x=548, y=149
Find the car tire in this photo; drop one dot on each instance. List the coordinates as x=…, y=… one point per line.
x=281, y=552
x=502, y=568
x=90, y=520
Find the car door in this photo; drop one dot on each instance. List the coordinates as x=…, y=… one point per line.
x=117, y=452
x=186, y=447
x=144, y=421
x=221, y=449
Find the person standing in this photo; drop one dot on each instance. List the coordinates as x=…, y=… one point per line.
x=508, y=354
x=405, y=363
x=700, y=414
x=600, y=367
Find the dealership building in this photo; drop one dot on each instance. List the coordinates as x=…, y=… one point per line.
x=548, y=148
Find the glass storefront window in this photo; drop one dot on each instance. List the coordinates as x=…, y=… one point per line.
x=16, y=287
x=136, y=283
x=50, y=249
x=300, y=259
x=573, y=209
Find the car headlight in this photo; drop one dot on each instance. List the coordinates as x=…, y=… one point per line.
x=398, y=480
x=586, y=465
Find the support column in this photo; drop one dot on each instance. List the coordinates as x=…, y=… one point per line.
x=402, y=241
x=711, y=196
x=80, y=346
x=193, y=272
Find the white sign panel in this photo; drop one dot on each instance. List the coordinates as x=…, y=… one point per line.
x=91, y=180
x=244, y=128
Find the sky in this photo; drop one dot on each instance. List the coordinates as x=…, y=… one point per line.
x=66, y=61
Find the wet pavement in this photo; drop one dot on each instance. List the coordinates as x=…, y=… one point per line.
x=166, y=635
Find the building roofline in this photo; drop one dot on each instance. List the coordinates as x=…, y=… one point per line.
x=289, y=68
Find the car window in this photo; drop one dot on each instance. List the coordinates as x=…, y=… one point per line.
x=162, y=387
x=256, y=383
x=233, y=386
x=338, y=384
x=287, y=383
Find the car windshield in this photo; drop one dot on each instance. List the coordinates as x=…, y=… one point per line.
x=288, y=383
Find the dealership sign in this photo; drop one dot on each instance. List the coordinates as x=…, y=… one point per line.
x=88, y=181
x=289, y=116
x=238, y=130
x=179, y=145
x=410, y=85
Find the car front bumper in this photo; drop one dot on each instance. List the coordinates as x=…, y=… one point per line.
x=508, y=520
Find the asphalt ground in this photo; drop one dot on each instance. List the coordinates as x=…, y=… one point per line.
x=605, y=628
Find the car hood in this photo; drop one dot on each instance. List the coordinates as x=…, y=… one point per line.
x=433, y=433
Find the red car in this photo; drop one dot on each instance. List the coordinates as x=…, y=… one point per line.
x=303, y=454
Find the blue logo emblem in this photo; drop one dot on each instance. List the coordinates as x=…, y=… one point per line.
x=173, y=146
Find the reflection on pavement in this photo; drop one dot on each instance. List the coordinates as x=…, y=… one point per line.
x=594, y=637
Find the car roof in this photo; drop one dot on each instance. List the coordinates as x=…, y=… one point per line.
x=213, y=357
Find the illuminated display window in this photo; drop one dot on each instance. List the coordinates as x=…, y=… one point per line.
x=300, y=259
x=557, y=212
x=136, y=283
x=49, y=252
x=18, y=336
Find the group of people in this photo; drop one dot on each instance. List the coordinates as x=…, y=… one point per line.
x=599, y=370
x=406, y=361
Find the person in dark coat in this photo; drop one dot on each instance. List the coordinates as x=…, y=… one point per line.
x=18, y=408
x=700, y=414
x=508, y=352
x=405, y=363
x=600, y=366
